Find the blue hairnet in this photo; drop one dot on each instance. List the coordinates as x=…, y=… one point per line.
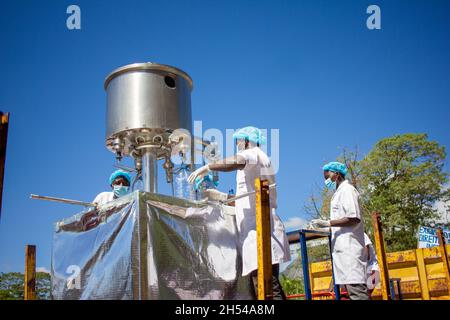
x=119, y=173
x=336, y=167
x=251, y=134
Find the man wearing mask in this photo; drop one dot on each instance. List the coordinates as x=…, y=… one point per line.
x=347, y=232
x=120, y=185
x=250, y=163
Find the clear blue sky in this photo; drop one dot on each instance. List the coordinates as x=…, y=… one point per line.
x=309, y=68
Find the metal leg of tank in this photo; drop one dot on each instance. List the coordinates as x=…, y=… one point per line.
x=150, y=171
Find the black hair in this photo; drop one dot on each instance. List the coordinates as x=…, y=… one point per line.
x=121, y=176
x=247, y=141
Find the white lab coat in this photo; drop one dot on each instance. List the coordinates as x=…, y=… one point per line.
x=104, y=197
x=349, y=259
x=257, y=165
x=372, y=264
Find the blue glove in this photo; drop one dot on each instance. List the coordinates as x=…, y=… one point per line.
x=205, y=182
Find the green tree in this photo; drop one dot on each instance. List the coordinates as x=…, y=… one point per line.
x=292, y=286
x=318, y=204
x=12, y=286
x=402, y=179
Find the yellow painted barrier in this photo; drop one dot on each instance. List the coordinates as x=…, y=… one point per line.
x=421, y=271
x=265, y=290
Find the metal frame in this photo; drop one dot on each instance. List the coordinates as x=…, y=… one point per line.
x=392, y=288
x=444, y=256
x=303, y=237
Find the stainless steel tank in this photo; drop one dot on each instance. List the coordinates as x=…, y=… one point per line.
x=146, y=102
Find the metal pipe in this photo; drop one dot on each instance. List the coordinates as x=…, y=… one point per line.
x=395, y=295
x=69, y=201
x=136, y=179
x=149, y=145
x=337, y=289
x=124, y=168
x=150, y=171
x=305, y=265
x=272, y=186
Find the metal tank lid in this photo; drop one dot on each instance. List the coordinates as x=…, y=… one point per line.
x=147, y=66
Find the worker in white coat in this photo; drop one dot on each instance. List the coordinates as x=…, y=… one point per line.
x=251, y=162
x=372, y=268
x=120, y=184
x=347, y=232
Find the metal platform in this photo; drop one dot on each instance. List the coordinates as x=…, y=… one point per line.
x=302, y=236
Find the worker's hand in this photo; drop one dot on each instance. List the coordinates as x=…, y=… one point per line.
x=215, y=195
x=200, y=172
x=320, y=223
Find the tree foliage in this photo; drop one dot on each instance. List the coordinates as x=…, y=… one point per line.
x=292, y=286
x=12, y=286
x=292, y=278
x=403, y=177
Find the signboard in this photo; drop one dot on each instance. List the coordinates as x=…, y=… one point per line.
x=428, y=237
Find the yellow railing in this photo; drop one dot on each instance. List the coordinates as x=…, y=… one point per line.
x=421, y=272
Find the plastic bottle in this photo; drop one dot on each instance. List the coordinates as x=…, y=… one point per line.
x=182, y=187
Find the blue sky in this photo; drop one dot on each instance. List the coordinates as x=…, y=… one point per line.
x=311, y=69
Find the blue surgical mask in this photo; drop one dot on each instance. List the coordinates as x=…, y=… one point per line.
x=120, y=191
x=330, y=184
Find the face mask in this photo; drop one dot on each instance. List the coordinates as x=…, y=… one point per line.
x=330, y=183
x=120, y=191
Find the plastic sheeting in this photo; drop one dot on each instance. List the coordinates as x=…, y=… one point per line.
x=148, y=246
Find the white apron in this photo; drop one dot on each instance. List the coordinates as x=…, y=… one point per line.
x=246, y=212
x=104, y=197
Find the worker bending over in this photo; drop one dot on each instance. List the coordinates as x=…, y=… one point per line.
x=250, y=163
x=347, y=232
x=120, y=185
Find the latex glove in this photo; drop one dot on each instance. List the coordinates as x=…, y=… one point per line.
x=215, y=195
x=320, y=223
x=372, y=277
x=200, y=172
x=315, y=228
